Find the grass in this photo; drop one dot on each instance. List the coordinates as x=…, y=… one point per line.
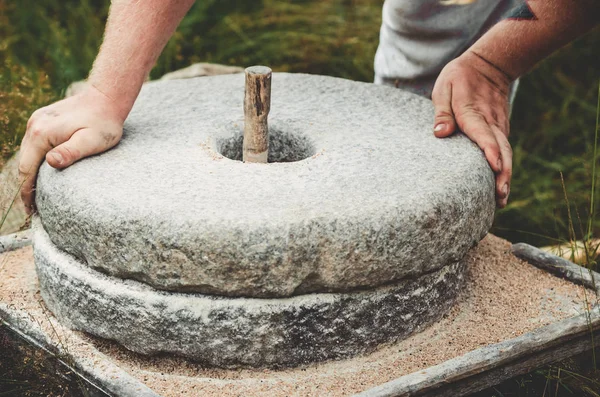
x=551, y=381
x=44, y=46
x=27, y=371
x=579, y=375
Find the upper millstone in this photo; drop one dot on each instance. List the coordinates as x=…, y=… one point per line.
x=359, y=193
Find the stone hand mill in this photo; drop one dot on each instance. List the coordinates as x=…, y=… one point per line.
x=344, y=228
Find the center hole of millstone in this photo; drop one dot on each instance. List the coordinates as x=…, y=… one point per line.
x=284, y=146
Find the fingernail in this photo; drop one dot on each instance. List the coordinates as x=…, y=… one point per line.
x=499, y=165
x=439, y=127
x=57, y=157
x=505, y=190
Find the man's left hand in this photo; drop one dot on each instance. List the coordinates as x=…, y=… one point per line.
x=472, y=95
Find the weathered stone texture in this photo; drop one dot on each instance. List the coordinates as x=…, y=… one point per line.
x=377, y=198
x=239, y=331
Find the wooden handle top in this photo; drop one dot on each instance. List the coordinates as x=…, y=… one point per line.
x=257, y=104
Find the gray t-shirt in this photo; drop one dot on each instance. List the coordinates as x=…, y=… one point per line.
x=419, y=37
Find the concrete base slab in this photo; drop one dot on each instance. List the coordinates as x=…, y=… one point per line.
x=507, y=311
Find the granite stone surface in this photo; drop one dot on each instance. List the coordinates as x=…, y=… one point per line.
x=358, y=194
x=238, y=332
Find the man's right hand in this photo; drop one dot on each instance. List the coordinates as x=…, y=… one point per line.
x=85, y=124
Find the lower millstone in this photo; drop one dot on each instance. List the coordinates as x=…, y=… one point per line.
x=238, y=332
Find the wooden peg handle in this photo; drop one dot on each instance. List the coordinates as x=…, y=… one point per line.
x=257, y=104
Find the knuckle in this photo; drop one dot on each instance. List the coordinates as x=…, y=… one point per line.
x=25, y=190
x=492, y=149
x=37, y=132
x=23, y=169
x=491, y=116
x=504, y=177
x=502, y=119
x=497, y=126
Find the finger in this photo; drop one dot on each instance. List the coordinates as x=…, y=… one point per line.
x=27, y=193
x=504, y=177
x=83, y=143
x=480, y=132
x=44, y=131
x=41, y=132
x=444, y=123
x=31, y=157
x=25, y=181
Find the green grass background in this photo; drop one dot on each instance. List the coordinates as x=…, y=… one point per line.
x=46, y=45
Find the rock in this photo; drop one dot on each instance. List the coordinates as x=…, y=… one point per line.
x=362, y=194
x=202, y=69
x=233, y=332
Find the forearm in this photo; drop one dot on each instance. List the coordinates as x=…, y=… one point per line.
x=533, y=31
x=136, y=33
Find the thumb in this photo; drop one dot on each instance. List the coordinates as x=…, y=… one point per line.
x=444, y=123
x=83, y=143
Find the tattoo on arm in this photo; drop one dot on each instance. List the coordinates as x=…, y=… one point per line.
x=522, y=12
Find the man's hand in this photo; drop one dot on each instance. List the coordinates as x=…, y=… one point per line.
x=471, y=94
x=67, y=131
x=92, y=122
